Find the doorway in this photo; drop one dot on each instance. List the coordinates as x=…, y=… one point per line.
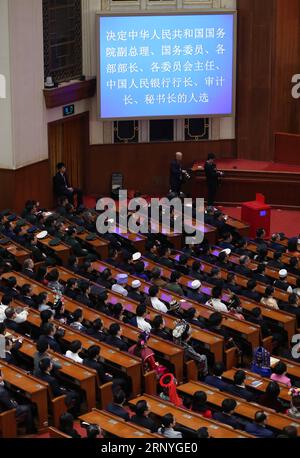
x=68, y=141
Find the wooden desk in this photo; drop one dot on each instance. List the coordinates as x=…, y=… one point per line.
x=241, y=227
x=171, y=352
x=211, y=341
x=16, y=250
x=116, y=426
x=99, y=245
x=249, y=331
x=244, y=409
x=190, y=419
x=80, y=375
x=285, y=258
x=284, y=319
x=293, y=369
x=251, y=377
x=129, y=364
x=34, y=389
x=137, y=240
x=62, y=250
x=261, y=287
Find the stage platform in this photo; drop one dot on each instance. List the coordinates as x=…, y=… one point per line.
x=257, y=166
x=279, y=182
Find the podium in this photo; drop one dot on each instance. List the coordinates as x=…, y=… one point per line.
x=257, y=214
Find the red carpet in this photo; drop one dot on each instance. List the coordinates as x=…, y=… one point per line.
x=281, y=220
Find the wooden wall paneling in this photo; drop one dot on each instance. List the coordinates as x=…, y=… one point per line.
x=6, y=189
x=254, y=78
x=30, y=182
x=287, y=148
x=286, y=110
x=33, y=182
x=145, y=167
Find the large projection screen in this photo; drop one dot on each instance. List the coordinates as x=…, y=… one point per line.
x=170, y=65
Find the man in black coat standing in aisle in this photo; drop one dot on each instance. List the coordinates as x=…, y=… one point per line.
x=212, y=178
x=62, y=187
x=176, y=174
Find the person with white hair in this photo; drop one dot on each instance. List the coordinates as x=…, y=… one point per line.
x=177, y=174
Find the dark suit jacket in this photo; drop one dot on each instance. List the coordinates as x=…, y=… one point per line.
x=28, y=301
x=283, y=285
x=136, y=296
x=242, y=270
x=218, y=383
x=198, y=297
x=261, y=278
x=228, y=420
x=53, y=383
x=175, y=176
x=29, y=273
x=253, y=295
x=10, y=324
x=60, y=184
x=145, y=422
x=243, y=393
x=99, y=368
x=258, y=431
x=119, y=411
x=116, y=342
x=163, y=334
x=6, y=400
x=53, y=344
x=211, y=174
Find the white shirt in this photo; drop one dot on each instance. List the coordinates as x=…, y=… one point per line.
x=143, y=325
x=20, y=318
x=158, y=305
x=43, y=307
x=297, y=291
x=119, y=289
x=2, y=312
x=170, y=433
x=74, y=356
x=217, y=305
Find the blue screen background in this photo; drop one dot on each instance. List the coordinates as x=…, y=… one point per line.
x=170, y=65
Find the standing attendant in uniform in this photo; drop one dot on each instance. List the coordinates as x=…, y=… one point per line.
x=212, y=178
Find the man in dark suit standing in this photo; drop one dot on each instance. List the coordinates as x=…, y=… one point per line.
x=62, y=187
x=212, y=178
x=176, y=174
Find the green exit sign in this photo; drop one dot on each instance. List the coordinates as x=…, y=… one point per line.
x=69, y=110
